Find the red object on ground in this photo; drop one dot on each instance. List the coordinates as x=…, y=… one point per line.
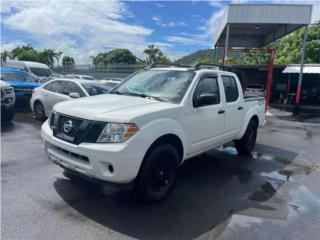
x=269, y=78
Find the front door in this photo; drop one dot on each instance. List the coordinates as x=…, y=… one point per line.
x=205, y=123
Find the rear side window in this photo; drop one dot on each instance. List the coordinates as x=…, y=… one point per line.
x=230, y=88
x=71, y=87
x=57, y=87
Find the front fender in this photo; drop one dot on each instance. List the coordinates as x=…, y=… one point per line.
x=153, y=130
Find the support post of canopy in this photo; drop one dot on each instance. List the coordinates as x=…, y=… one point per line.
x=298, y=95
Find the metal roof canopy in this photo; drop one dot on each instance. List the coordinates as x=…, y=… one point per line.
x=307, y=68
x=256, y=25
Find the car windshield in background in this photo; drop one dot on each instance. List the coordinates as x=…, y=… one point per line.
x=95, y=88
x=163, y=85
x=41, y=72
x=12, y=76
x=87, y=78
x=111, y=84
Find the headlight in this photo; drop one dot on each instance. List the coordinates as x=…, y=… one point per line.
x=117, y=132
x=8, y=90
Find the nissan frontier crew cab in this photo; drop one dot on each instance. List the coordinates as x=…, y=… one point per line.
x=149, y=124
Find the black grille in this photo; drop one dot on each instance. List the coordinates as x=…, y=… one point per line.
x=75, y=130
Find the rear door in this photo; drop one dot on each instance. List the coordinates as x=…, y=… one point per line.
x=234, y=106
x=205, y=123
x=55, y=94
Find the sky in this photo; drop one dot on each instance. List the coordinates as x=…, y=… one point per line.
x=85, y=28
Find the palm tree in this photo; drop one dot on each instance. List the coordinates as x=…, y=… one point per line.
x=5, y=55
x=47, y=56
x=153, y=53
x=68, y=62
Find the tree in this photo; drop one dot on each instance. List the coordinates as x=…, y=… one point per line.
x=115, y=56
x=47, y=56
x=25, y=53
x=155, y=55
x=288, y=48
x=5, y=55
x=68, y=62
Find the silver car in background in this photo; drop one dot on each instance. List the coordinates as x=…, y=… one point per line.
x=58, y=90
x=78, y=76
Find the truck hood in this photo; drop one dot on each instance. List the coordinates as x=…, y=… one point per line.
x=14, y=83
x=110, y=107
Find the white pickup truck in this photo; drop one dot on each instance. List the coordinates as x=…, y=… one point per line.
x=150, y=124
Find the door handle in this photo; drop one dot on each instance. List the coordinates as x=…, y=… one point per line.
x=221, y=111
x=240, y=108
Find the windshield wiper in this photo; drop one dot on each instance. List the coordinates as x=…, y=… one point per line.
x=145, y=96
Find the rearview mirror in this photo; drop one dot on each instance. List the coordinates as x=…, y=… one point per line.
x=205, y=99
x=74, y=95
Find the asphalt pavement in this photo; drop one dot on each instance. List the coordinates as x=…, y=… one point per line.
x=273, y=194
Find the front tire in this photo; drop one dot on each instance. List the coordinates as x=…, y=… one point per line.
x=158, y=174
x=39, y=111
x=7, y=116
x=246, y=144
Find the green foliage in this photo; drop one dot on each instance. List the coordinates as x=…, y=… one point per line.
x=68, y=62
x=288, y=48
x=28, y=53
x=155, y=55
x=288, y=51
x=116, y=56
x=205, y=56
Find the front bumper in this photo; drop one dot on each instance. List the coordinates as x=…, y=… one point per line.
x=111, y=162
x=7, y=103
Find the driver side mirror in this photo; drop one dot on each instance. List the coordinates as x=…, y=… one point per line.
x=74, y=95
x=205, y=99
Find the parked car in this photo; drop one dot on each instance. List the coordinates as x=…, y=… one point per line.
x=50, y=93
x=38, y=69
x=57, y=76
x=21, y=81
x=8, y=100
x=110, y=83
x=255, y=89
x=78, y=76
x=148, y=125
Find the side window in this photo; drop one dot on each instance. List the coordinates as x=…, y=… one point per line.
x=71, y=87
x=230, y=88
x=48, y=86
x=57, y=87
x=207, y=85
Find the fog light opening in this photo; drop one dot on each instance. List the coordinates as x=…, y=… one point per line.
x=110, y=167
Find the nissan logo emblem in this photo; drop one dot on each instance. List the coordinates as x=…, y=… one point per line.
x=67, y=126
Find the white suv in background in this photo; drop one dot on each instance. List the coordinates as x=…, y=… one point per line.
x=44, y=97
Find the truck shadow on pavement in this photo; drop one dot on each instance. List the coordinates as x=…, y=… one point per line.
x=210, y=188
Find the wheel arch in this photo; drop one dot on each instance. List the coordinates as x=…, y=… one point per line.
x=169, y=138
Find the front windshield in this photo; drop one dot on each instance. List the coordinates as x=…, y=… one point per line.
x=95, y=88
x=40, y=72
x=165, y=85
x=13, y=76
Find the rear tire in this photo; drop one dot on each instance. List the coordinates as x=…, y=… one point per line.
x=158, y=174
x=39, y=111
x=246, y=144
